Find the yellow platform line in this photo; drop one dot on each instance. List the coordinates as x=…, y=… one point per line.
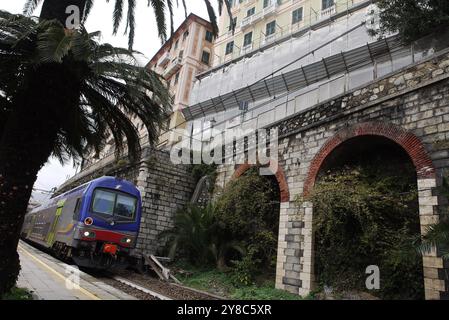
x=77, y=287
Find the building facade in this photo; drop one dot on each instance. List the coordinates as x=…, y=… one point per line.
x=260, y=22
x=186, y=54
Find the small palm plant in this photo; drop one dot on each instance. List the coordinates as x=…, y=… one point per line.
x=437, y=235
x=200, y=237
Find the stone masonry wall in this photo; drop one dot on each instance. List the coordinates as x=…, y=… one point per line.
x=165, y=189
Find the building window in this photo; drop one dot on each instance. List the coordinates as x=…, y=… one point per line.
x=297, y=15
x=327, y=4
x=266, y=3
x=181, y=54
x=176, y=78
x=248, y=39
x=186, y=34
x=176, y=44
x=205, y=58
x=209, y=36
x=250, y=12
x=271, y=28
x=229, y=47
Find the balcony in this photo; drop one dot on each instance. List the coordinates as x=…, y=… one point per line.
x=326, y=13
x=164, y=59
x=248, y=21
x=172, y=68
x=270, y=9
x=247, y=48
x=268, y=39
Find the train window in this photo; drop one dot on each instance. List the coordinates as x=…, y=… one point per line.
x=104, y=202
x=125, y=206
x=114, y=204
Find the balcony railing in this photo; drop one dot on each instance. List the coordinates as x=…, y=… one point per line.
x=247, y=48
x=270, y=9
x=174, y=66
x=250, y=20
x=269, y=38
x=328, y=11
x=164, y=59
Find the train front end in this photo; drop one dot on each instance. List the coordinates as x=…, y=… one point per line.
x=108, y=224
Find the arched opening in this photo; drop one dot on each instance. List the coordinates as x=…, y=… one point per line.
x=366, y=213
x=250, y=207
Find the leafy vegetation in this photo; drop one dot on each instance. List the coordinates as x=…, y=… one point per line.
x=413, y=19
x=248, y=210
x=365, y=216
x=221, y=283
x=199, y=237
x=238, y=233
x=17, y=294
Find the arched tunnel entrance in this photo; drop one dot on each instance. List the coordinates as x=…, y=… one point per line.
x=366, y=213
x=255, y=200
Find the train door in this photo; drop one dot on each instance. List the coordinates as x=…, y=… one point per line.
x=52, y=231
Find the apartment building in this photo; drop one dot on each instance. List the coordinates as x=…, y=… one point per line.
x=181, y=58
x=261, y=22
x=186, y=54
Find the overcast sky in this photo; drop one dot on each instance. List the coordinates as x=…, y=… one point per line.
x=100, y=19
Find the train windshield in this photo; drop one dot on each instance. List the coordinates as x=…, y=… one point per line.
x=114, y=204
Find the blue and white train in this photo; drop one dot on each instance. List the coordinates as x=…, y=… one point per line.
x=95, y=224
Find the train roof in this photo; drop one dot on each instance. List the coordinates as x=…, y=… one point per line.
x=102, y=182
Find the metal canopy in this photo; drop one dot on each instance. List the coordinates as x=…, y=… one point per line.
x=296, y=79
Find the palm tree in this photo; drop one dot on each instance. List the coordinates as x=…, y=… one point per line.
x=56, y=9
x=62, y=91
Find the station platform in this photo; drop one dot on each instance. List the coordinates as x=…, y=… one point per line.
x=50, y=279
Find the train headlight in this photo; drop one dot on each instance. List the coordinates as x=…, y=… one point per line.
x=89, y=234
x=127, y=240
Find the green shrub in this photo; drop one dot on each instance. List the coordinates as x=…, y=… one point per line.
x=200, y=170
x=199, y=237
x=245, y=270
x=248, y=210
x=365, y=217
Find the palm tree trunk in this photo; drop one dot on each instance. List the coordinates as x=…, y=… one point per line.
x=56, y=9
x=25, y=145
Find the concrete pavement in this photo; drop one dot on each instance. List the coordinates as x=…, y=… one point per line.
x=51, y=279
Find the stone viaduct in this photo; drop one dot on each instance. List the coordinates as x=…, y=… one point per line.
x=410, y=109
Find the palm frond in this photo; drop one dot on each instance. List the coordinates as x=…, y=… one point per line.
x=110, y=85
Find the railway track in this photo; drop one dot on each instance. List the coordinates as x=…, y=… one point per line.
x=144, y=287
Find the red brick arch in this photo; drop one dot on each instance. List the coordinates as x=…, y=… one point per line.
x=407, y=140
x=280, y=177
